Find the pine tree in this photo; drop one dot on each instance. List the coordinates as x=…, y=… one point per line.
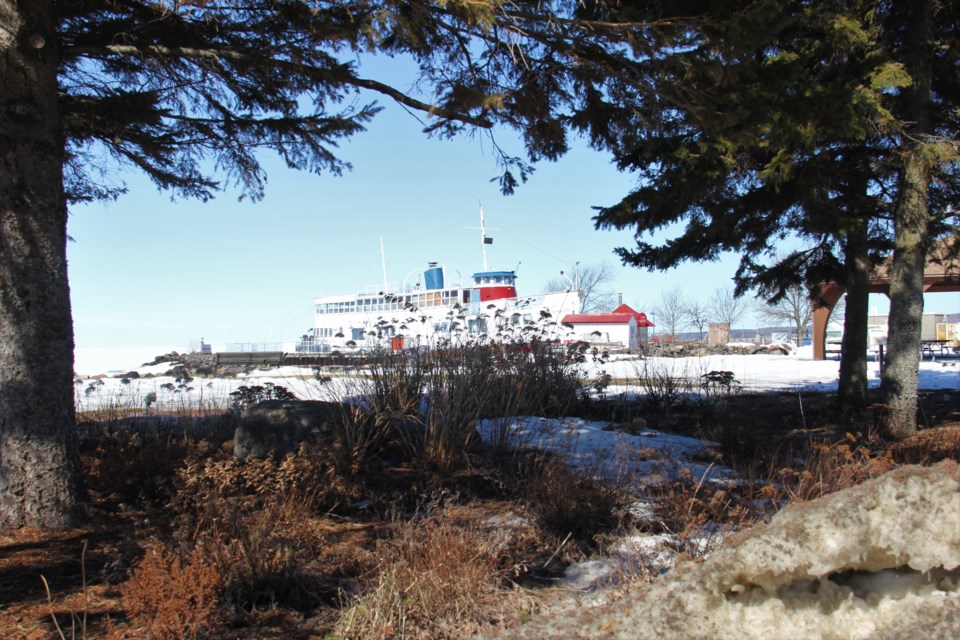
x=753, y=123
x=189, y=92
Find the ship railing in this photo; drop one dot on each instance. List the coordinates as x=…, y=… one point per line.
x=379, y=289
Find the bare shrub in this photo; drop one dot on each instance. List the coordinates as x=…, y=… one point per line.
x=175, y=598
x=431, y=400
x=263, y=554
x=929, y=446
x=245, y=397
x=551, y=378
x=397, y=382
x=362, y=433
x=660, y=386
x=718, y=384
x=564, y=502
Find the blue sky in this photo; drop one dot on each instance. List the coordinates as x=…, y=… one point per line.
x=147, y=271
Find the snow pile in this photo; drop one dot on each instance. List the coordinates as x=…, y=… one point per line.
x=880, y=561
x=595, y=449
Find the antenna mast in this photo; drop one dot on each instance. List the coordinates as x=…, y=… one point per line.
x=483, y=237
x=383, y=263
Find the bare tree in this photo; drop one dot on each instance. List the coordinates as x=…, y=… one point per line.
x=669, y=312
x=795, y=307
x=727, y=307
x=697, y=315
x=594, y=282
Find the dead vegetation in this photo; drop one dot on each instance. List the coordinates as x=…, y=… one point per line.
x=448, y=540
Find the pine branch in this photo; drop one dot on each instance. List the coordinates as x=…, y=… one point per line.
x=243, y=57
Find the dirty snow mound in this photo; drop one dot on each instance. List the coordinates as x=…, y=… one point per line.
x=879, y=561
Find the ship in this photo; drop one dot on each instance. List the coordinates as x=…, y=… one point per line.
x=427, y=310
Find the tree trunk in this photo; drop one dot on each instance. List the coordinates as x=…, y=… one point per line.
x=911, y=221
x=900, y=380
x=852, y=386
x=39, y=461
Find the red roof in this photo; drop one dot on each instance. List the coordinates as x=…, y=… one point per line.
x=620, y=315
x=597, y=318
x=642, y=320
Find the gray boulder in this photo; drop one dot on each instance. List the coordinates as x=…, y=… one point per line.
x=278, y=427
x=880, y=560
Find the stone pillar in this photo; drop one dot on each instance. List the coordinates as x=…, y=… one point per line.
x=719, y=333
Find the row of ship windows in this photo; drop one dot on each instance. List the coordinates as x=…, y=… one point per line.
x=474, y=325
x=505, y=280
x=393, y=303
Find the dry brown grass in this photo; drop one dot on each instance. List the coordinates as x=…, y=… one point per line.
x=687, y=504
x=437, y=579
x=300, y=547
x=260, y=520
x=170, y=598
x=827, y=468
x=929, y=446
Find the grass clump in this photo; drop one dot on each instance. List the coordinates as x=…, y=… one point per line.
x=566, y=503
x=175, y=598
x=437, y=579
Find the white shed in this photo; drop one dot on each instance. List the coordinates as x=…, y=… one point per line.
x=622, y=326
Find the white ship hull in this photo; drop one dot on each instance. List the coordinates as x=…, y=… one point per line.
x=436, y=317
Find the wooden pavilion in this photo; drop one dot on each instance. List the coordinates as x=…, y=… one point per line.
x=941, y=273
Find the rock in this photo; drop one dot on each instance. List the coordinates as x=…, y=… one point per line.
x=880, y=560
x=278, y=427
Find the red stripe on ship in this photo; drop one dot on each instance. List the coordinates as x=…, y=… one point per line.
x=497, y=293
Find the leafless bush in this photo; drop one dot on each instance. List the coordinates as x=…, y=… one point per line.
x=659, y=385
x=565, y=502
x=429, y=402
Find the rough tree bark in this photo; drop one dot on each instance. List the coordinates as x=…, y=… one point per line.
x=39, y=461
x=852, y=387
x=900, y=379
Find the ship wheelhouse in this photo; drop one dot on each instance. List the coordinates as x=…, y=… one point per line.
x=493, y=285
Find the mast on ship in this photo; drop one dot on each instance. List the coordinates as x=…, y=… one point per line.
x=484, y=240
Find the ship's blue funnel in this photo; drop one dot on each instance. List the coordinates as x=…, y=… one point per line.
x=433, y=276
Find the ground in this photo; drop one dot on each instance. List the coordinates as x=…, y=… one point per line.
x=75, y=579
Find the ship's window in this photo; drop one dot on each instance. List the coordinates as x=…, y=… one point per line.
x=476, y=280
x=477, y=325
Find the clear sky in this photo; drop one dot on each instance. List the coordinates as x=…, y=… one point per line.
x=148, y=271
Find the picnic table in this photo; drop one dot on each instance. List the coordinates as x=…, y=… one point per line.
x=933, y=348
